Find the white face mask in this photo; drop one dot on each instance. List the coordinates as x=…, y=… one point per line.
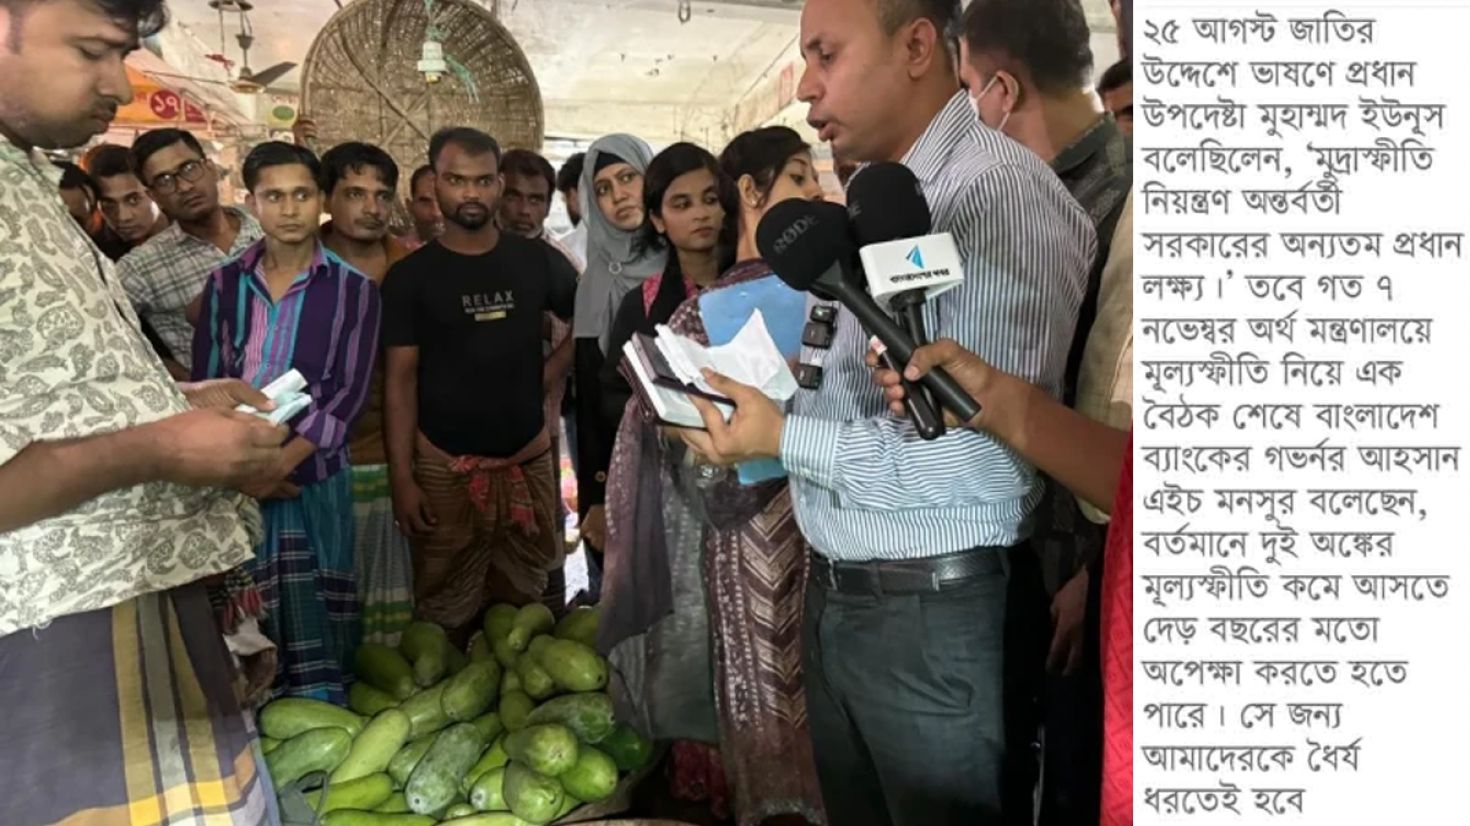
x=975, y=104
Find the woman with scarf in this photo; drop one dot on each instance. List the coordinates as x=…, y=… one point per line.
x=751, y=555
x=612, y=203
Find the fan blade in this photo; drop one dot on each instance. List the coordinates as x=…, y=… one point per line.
x=266, y=77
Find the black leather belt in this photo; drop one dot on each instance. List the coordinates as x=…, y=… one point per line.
x=908, y=576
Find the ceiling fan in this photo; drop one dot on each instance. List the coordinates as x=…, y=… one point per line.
x=247, y=81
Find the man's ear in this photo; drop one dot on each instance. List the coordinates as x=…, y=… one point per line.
x=923, y=48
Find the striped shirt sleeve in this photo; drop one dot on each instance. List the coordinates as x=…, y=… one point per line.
x=208, y=356
x=1016, y=309
x=328, y=422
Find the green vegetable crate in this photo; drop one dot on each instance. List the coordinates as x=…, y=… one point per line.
x=518, y=730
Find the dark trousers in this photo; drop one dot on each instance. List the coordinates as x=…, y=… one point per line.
x=904, y=699
x=1053, y=722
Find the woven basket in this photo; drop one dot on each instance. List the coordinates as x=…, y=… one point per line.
x=360, y=80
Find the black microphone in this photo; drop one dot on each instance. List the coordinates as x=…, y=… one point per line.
x=886, y=203
x=806, y=243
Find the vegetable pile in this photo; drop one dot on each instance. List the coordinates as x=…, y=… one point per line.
x=518, y=731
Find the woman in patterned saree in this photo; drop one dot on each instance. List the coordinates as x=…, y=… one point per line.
x=747, y=588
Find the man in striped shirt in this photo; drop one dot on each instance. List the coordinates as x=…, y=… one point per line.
x=906, y=601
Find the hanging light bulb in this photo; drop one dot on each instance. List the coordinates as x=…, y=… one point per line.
x=431, y=63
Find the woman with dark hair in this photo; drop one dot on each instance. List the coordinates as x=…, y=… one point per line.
x=752, y=563
x=612, y=206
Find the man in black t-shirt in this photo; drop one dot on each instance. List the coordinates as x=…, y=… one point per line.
x=469, y=449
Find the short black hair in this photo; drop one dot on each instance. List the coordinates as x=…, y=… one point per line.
x=942, y=13
x=279, y=153
x=154, y=141
x=1117, y=76
x=355, y=156
x=73, y=177
x=529, y=164
x=570, y=176
x=1049, y=39
x=147, y=16
x=470, y=139
x=108, y=159
x=419, y=174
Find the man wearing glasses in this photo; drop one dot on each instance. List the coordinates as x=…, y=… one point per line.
x=165, y=276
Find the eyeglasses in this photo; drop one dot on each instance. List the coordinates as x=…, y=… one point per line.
x=166, y=182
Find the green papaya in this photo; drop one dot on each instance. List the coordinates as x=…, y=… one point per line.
x=504, y=654
x=353, y=817
x=488, y=819
x=532, y=796
x=509, y=681
x=374, y=748
x=490, y=726
x=384, y=669
x=366, y=792
x=487, y=794
x=574, y=666
x=480, y=648
x=493, y=758
x=401, y=767
x=531, y=620
x=289, y=716
x=470, y=692
x=435, y=782
x=534, y=680
x=549, y=749
x=538, y=645
x=268, y=744
x=396, y=804
x=593, y=778
x=425, y=711
x=580, y=624
x=515, y=708
x=499, y=620
x=627, y=748
x=367, y=700
x=421, y=637
x=317, y=750
x=456, y=812
x=457, y=660
x=589, y=715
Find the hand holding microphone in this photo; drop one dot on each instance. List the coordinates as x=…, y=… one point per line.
x=809, y=246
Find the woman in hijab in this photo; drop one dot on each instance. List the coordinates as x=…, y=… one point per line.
x=612, y=203
x=750, y=555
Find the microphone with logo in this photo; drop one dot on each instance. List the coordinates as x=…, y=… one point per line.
x=809, y=245
x=904, y=263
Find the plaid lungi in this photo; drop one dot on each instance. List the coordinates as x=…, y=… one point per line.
x=127, y=716
x=495, y=537
x=384, y=568
x=306, y=576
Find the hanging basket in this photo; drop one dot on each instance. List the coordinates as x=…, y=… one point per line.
x=360, y=80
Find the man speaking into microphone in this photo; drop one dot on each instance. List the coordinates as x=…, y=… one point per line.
x=906, y=597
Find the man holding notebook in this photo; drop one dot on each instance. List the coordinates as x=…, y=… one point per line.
x=469, y=450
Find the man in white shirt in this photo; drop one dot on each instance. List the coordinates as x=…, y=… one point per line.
x=115, y=498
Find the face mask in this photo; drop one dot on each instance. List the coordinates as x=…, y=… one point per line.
x=975, y=104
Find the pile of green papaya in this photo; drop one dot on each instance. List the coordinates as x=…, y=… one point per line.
x=516, y=731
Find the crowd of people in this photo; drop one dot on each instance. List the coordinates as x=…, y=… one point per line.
x=886, y=631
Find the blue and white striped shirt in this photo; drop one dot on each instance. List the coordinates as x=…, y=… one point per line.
x=864, y=485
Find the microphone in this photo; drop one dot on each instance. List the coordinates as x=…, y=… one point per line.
x=905, y=264
x=808, y=244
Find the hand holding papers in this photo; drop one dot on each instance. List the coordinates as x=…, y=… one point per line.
x=669, y=369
